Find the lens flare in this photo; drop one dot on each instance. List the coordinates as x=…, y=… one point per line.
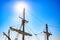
x=18, y=7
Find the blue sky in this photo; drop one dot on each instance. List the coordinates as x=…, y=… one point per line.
x=41, y=12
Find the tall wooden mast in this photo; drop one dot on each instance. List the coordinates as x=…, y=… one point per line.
x=47, y=33
x=23, y=23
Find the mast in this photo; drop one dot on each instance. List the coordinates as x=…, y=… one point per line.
x=23, y=23
x=47, y=33
x=9, y=32
x=23, y=27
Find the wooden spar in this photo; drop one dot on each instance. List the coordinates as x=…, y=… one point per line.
x=6, y=36
x=24, y=19
x=20, y=32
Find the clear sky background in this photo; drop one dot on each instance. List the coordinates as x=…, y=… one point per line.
x=40, y=12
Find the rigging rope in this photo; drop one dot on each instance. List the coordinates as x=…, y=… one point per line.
x=39, y=20
x=33, y=33
x=18, y=33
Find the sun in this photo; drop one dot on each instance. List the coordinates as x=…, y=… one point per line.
x=18, y=7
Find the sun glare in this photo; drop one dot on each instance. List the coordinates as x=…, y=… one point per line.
x=18, y=7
